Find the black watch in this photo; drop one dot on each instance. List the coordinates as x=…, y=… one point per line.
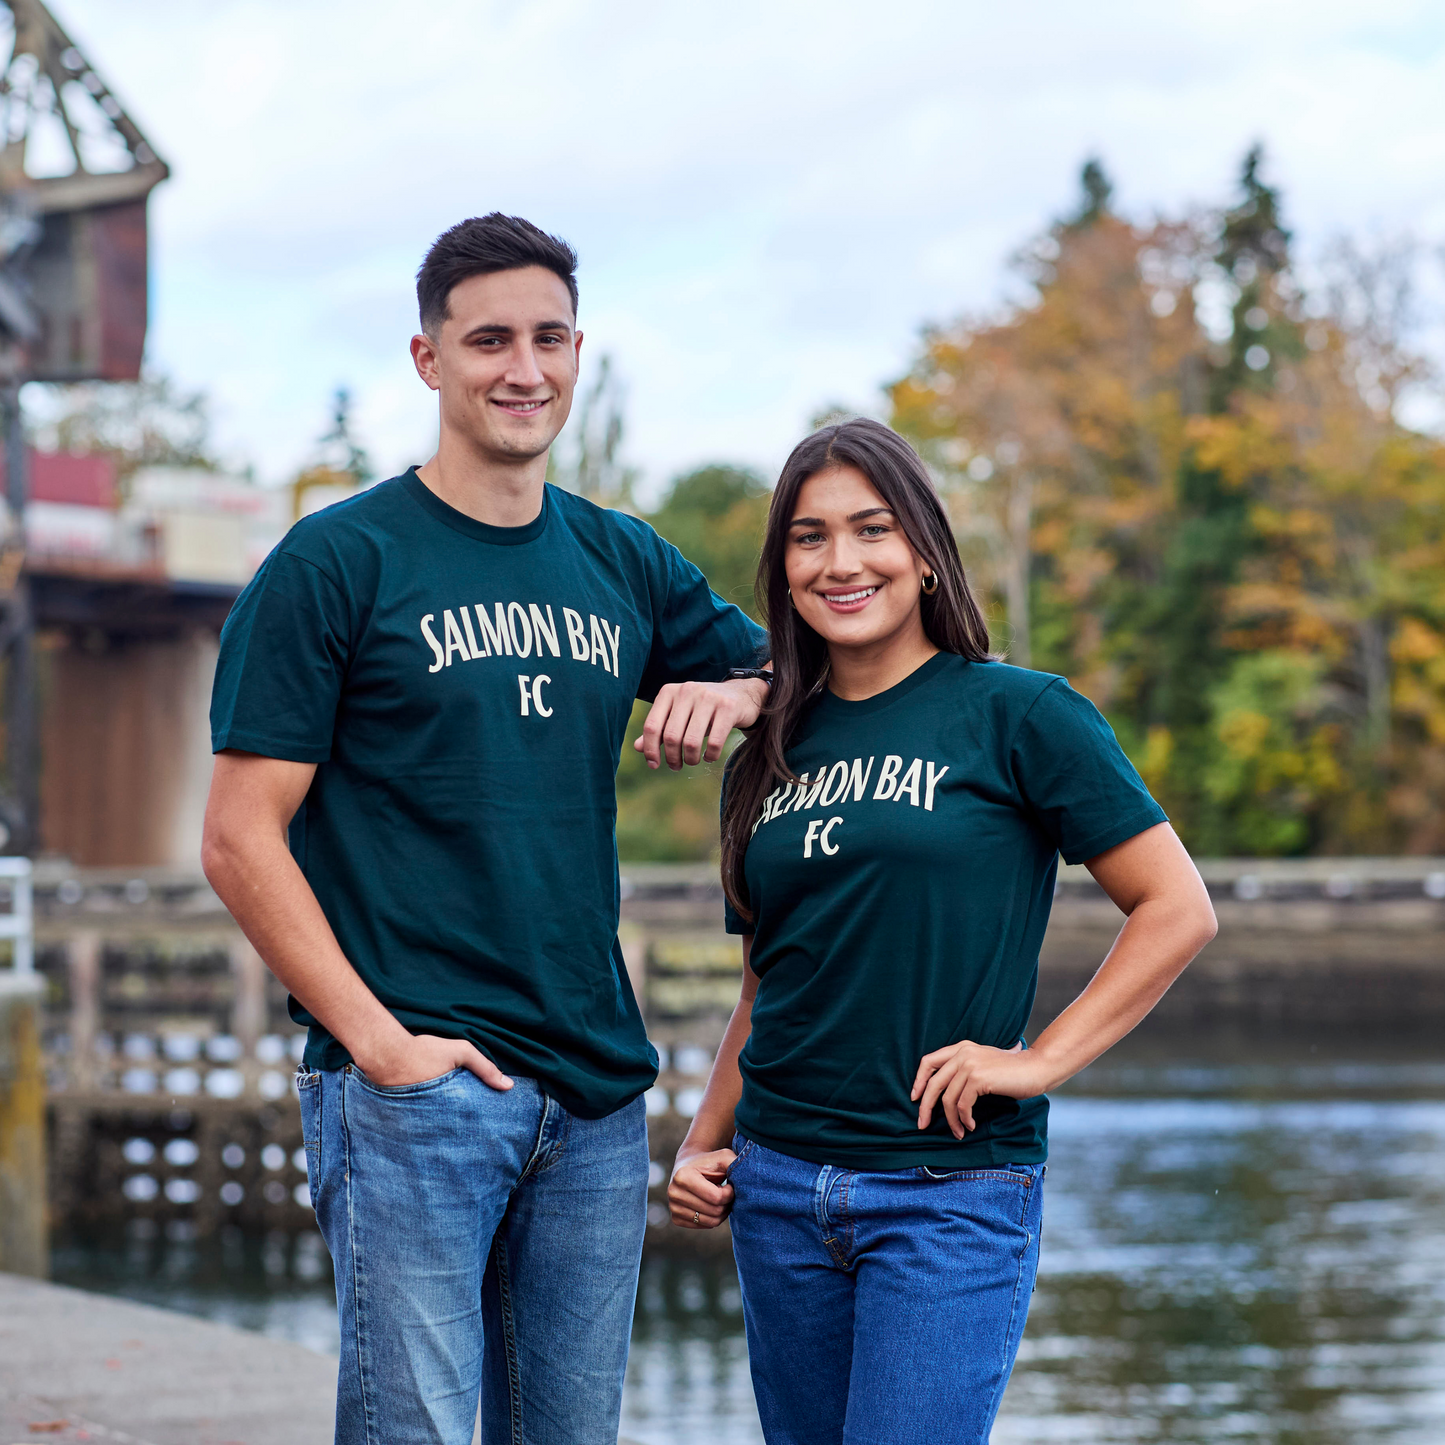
x=762, y=674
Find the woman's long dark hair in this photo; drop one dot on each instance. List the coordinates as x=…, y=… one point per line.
x=952, y=618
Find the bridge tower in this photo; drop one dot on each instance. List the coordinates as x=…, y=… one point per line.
x=75, y=174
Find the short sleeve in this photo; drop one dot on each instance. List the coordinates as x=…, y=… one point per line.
x=1074, y=777
x=284, y=653
x=697, y=636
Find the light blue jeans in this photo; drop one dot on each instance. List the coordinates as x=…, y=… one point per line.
x=486, y=1246
x=882, y=1308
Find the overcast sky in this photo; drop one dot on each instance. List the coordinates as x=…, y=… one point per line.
x=769, y=199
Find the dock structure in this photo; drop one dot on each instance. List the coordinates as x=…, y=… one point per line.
x=22, y=1127
x=169, y=1052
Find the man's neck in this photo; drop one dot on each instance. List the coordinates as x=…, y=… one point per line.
x=501, y=494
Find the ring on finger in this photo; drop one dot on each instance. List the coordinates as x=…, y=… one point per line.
x=696, y=1217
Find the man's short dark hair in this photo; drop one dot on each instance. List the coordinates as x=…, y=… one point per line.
x=481, y=246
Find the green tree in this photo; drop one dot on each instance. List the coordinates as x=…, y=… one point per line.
x=588, y=459
x=715, y=517
x=1225, y=538
x=145, y=423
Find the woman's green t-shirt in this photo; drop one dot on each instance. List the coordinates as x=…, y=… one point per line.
x=900, y=896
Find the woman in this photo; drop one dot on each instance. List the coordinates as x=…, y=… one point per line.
x=874, y=1122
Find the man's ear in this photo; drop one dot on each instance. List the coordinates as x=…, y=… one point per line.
x=424, y=358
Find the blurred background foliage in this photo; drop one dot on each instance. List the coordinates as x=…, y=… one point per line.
x=1178, y=478
x=715, y=517
x=1178, y=474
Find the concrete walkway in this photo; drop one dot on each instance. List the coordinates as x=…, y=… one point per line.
x=77, y=1366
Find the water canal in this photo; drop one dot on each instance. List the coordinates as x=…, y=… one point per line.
x=1239, y=1244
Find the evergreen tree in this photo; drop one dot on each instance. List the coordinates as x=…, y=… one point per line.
x=1232, y=546
x=1253, y=253
x=1098, y=189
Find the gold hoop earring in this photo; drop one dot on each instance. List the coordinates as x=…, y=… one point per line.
x=929, y=584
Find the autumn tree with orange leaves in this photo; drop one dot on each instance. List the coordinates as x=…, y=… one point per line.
x=1181, y=480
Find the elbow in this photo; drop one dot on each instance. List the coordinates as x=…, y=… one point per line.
x=218, y=854
x=1206, y=925
x=213, y=856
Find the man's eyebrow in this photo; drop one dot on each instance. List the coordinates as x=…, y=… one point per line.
x=498, y=328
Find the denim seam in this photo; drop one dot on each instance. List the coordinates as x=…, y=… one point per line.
x=320, y=1134
x=827, y=1177
x=509, y=1334
x=820, y=1203
x=534, y=1164
x=368, y=1415
x=559, y=1145
x=1003, y=1370
x=1007, y=1175
x=405, y=1091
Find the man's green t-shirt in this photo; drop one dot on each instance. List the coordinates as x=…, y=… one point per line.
x=900, y=894
x=464, y=690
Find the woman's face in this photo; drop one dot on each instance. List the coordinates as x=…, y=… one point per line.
x=854, y=576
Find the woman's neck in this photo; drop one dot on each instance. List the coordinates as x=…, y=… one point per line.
x=855, y=673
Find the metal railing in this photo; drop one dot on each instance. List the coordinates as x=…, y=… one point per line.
x=18, y=925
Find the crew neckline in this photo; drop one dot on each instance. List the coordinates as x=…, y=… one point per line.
x=448, y=515
x=831, y=703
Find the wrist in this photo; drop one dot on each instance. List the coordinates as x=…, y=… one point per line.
x=763, y=676
x=378, y=1049
x=693, y=1145
x=1048, y=1068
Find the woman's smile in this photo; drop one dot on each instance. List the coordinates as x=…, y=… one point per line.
x=853, y=600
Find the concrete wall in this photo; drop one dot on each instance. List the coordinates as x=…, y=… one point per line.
x=125, y=744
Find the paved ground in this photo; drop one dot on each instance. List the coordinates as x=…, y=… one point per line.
x=77, y=1366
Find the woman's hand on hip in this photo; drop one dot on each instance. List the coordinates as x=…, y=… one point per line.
x=959, y=1075
x=698, y=1194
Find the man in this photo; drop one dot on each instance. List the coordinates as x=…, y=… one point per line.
x=429, y=684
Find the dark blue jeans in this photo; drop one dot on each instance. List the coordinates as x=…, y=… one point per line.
x=486, y=1246
x=882, y=1308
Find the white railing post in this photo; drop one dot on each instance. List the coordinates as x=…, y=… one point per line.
x=19, y=924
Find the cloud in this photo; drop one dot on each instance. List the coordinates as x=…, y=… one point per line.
x=769, y=199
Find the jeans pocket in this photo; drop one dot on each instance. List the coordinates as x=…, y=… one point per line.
x=403, y=1091
x=308, y=1090
x=742, y=1147
x=1006, y=1173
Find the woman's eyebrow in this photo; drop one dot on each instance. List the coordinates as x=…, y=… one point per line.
x=852, y=517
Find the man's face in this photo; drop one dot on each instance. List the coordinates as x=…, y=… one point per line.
x=504, y=361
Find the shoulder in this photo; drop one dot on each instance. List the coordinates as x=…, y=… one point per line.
x=382, y=507
x=1016, y=689
x=342, y=536
x=619, y=529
